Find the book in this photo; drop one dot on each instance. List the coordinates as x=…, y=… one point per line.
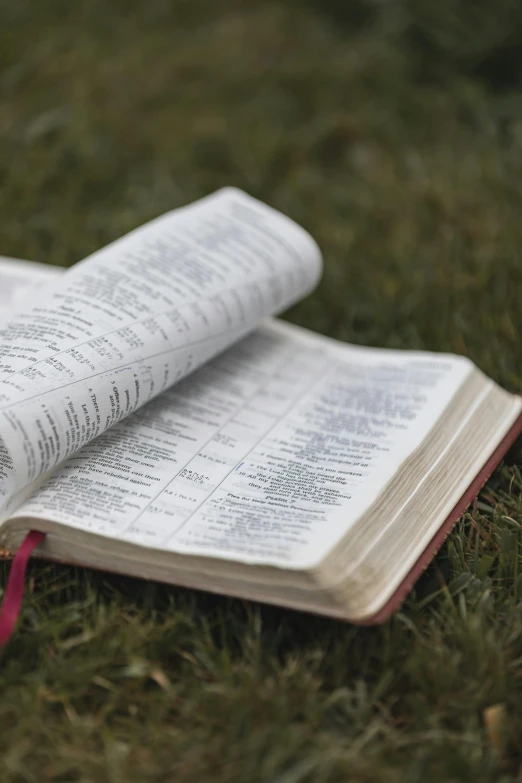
x=158, y=421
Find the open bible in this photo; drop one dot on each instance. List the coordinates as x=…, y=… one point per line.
x=156, y=421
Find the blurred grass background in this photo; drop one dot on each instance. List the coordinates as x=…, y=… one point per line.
x=392, y=130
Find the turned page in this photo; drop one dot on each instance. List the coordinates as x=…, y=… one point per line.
x=137, y=316
x=21, y=280
x=266, y=455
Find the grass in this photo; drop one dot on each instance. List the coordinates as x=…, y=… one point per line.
x=393, y=132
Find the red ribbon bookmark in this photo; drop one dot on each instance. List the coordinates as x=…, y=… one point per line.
x=14, y=592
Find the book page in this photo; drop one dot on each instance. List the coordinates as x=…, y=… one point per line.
x=266, y=455
x=133, y=319
x=21, y=280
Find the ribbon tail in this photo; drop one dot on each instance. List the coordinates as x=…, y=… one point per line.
x=14, y=592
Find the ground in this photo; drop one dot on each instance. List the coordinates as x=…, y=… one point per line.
x=393, y=132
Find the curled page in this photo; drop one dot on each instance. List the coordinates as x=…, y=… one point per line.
x=137, y=316
x=21, y=281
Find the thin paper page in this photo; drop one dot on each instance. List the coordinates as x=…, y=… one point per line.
x=266, y=455
x=134, y=318
x=20, y=280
